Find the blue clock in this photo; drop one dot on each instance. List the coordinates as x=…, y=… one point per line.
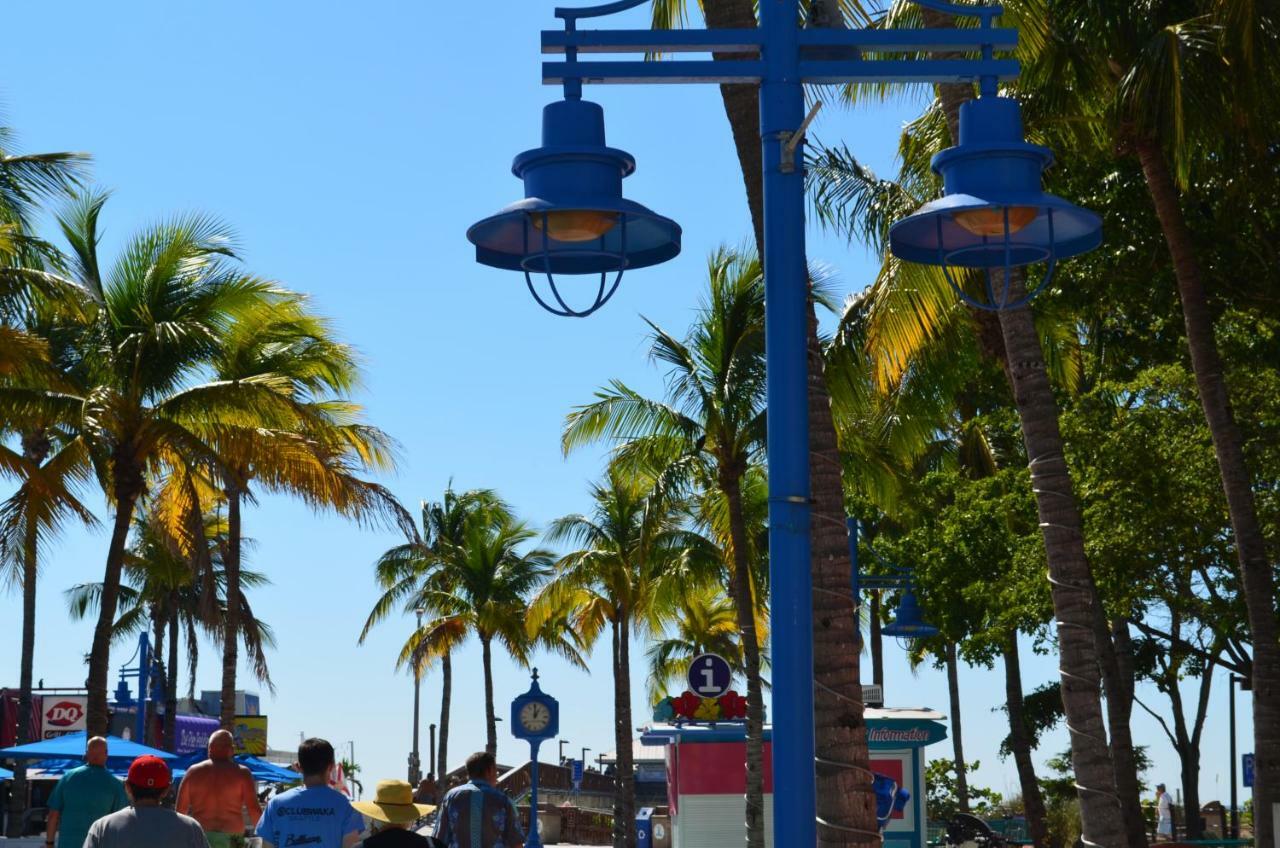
x=535, y=718
x=535, y=715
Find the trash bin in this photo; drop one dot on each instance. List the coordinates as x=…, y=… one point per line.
x=644, y=828
x=660, y=827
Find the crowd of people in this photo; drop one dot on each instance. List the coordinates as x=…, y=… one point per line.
x=217, y=802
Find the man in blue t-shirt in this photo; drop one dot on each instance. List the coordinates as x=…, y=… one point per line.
x=313, y=815
x=83, y=796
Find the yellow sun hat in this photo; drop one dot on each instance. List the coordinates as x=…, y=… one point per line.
x=393, y=803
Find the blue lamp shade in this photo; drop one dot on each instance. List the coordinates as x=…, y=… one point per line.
x=908, y=622
x=574, y=219
x=994, y=213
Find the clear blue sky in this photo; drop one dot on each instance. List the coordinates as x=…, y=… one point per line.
x=351, y=146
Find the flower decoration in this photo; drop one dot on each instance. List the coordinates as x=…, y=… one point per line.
x=708, y=710
x=733, y=706
x=687, y=705
x=664, y=710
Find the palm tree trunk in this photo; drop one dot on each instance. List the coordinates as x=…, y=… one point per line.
x=446, y=696
x=744, y=602
x=171, y=679
x=1072, y=588
x=231, y=621
x=624, y=807
x=1256, y=579
x=128, y=486
x=957, y=741
x=1116, y=651
x=845, y=800
x=35, y=449
x=1020, y=745
x=490, y=720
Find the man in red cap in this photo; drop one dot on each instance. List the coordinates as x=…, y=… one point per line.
x=146, y=824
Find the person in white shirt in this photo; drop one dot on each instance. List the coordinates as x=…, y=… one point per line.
x=1164, y=815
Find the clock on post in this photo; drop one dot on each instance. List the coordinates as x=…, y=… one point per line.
x=535, y=718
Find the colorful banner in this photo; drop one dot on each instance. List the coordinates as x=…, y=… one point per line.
x=251, y=735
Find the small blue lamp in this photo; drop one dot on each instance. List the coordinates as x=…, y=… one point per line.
x=908, y=622
x=994, y=213
x=573, y=219
x=124, y=697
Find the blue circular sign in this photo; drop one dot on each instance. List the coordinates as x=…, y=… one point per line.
x=709, y=676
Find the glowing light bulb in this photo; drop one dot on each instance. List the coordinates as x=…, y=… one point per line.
x=989, y=221
x=576, y=225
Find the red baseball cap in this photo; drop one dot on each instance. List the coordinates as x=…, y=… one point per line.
x=149, y=772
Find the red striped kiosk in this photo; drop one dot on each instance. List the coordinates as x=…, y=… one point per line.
x=706, y=775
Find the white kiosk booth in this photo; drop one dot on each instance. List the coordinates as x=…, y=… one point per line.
x=706, y=775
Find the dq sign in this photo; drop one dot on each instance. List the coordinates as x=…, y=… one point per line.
x=62, y=715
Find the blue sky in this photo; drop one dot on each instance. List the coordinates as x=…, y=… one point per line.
x=350, y=147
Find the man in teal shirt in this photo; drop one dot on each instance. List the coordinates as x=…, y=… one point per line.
x=83, y=796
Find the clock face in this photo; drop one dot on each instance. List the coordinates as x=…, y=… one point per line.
x=535, y=716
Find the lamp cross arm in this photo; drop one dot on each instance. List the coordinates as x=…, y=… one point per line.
x=885, y=582
x=752, y=71
x=750, y=41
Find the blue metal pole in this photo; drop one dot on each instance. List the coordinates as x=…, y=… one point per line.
x=786, y=322
x=144, y=667
x=532, y=839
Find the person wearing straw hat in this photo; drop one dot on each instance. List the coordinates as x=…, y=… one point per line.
x=393, y=811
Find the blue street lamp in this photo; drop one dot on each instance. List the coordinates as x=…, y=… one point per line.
x=142, y=672
x=908, y=622
x=574, y=221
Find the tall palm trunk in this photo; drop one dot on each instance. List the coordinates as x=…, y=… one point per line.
x=35, y=448
x=624, y=805
x=1075, y=597
x=744, y=603
x=171, y=678
x=231, y=623
x=1072, y=588
x=1256, y=579
x=446, y=697
x=1116, y=649
x=128, y=484
x=957, y=740
x=490, y=720
x=1020, y=745
x=845, y=802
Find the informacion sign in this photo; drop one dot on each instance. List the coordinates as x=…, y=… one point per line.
x=1246, y=763
x=63, y=714
x=710, y=676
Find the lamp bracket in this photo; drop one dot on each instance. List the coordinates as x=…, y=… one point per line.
x=791, y=140
x=570, y=15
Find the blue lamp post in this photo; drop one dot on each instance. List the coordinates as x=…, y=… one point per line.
x=573, y=221
x=142, y=672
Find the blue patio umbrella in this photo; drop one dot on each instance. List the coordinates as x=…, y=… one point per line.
x=71, y=747
x=260, y=769
x=5, y=774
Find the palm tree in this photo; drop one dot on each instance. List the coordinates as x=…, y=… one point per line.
x=631, y=560
x=46, y=496
x=703, y=622
x=178, y=589
x=317, y=456
x=1178, y=85
x=708, y=434
x=144, y=345
x=409, y=571
x=844, y=794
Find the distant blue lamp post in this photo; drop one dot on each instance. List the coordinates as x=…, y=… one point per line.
x=142, y=672
x=573, y=221
x=908, y=622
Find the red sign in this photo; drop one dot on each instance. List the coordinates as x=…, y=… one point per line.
x=62, y=715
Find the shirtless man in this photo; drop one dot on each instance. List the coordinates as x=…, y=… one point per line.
x=217, y=792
